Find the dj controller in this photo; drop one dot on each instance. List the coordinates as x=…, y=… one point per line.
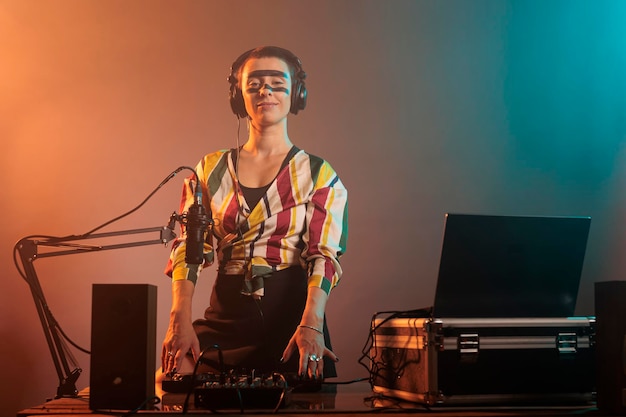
x=239, y=390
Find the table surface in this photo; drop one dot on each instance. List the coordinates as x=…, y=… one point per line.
x=350, y=400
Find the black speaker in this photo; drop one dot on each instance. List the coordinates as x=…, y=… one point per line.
x=123, y=349
x=610, y=305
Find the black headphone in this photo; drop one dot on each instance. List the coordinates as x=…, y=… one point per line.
x=298, y=96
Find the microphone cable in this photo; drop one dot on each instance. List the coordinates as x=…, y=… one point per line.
x=165, y=181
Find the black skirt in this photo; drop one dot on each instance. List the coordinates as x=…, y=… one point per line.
x=243, y=334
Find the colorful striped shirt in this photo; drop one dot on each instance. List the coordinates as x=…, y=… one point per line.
x=301, y=220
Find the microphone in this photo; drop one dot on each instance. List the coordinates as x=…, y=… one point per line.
x=197, y=223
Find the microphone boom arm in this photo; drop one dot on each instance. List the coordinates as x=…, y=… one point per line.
x=28, y=253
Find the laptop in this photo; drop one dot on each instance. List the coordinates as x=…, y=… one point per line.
x=510, y=266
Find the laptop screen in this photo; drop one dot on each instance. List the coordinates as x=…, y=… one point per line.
x=510, y=266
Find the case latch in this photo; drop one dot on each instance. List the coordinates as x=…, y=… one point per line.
x=468, y=343
x=567, y=343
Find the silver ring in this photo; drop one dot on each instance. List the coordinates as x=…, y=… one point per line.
x=170, y=354
x=314, y=358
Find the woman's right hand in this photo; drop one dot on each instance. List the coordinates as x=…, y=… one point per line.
x=181, y=337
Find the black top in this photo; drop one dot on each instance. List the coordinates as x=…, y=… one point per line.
x=254, y=195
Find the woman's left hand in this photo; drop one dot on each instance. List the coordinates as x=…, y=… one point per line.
x=310, y=345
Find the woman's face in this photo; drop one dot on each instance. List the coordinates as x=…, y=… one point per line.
x=266, y=88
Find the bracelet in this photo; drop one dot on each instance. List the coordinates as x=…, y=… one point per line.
x=312, y=328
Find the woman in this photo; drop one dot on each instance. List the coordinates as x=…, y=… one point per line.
x=280, y=226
